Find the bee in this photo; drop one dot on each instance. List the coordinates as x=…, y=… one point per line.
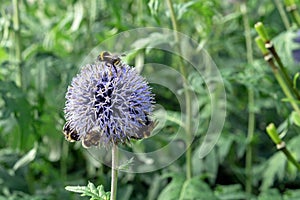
x=71, y=135
x=112, y=59
x=146, y=129
x=92, y=138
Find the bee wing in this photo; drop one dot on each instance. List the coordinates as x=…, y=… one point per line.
x=92, y=138
x=145, y=130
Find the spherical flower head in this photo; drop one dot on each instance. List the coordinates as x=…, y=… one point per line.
x=107, y=104
x=296, y=52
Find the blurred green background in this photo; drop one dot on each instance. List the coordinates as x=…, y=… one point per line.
x=42, y=50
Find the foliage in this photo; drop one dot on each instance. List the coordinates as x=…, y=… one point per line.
x=37, y=163
x=90, y=190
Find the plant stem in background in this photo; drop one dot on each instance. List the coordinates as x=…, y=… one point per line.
x=291, y=7
x=285, y=88
x=17, y=37
x=186, y=93
x=267, y=44
x=282, y=13
x=272, y=132
x=289, y=81
x=251, y=114
x=114, y=172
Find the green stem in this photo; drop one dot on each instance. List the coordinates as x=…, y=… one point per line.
x=273, y=134
x=249, y=151
x=287, y=92
x=291, y=7
x=114, y=172
x=282, y=68
x=173, y=19
x=183, y=71
x=269, y=45
x=283, y=86
x=16, y=26
x=251, y=114
x=291, y=158
x=282, y=14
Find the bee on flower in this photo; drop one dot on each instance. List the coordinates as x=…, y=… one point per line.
x=108, y=102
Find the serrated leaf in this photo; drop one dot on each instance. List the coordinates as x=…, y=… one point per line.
x=172, y=190
x=153, y=40
x=26, y=159
x=211, y=166
x=153, y=6
x=225, y=143
x=291, y=195
x=78, y=16
x=91, y=191
x=284, y=45
x=127, y=164
x=180, y=189
x=92, y=187
x=270, y=194
x=183, y=8
x=295, y=118
x=100, y=190
x=77, y=189
x=230, y=192
x=275, y=168
x=195, y=188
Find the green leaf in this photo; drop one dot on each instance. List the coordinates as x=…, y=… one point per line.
x=295, y=118
x=26, y=159
x=291, y=195
x=77, y=189
x=270, y=194
x=284, y=45
x=195, y=188
x=91, y=191
x=230, y=192
x=296, y=77
x=180, y=189
x=211, y=166
x=172, y=190
x=183, y=8
x=224, y=143
x=154, y=6
x=275, y=168
x=153, y=40
x=78, y=16
x=127, y=164
x=3, y=55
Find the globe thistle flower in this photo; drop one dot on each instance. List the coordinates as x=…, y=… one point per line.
x=296, y=52
x=108, y=102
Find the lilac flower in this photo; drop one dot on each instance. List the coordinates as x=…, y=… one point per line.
x=108, y=104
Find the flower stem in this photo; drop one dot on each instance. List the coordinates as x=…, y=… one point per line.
x=282, y=82
x=18, y=55
x=272, y=132
x=251, y=103
x=186, y=93
x=288, y=79
x=291, y=7
x=285, y=88
x=114, y=172
x=268, y=45
x=282, y=14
